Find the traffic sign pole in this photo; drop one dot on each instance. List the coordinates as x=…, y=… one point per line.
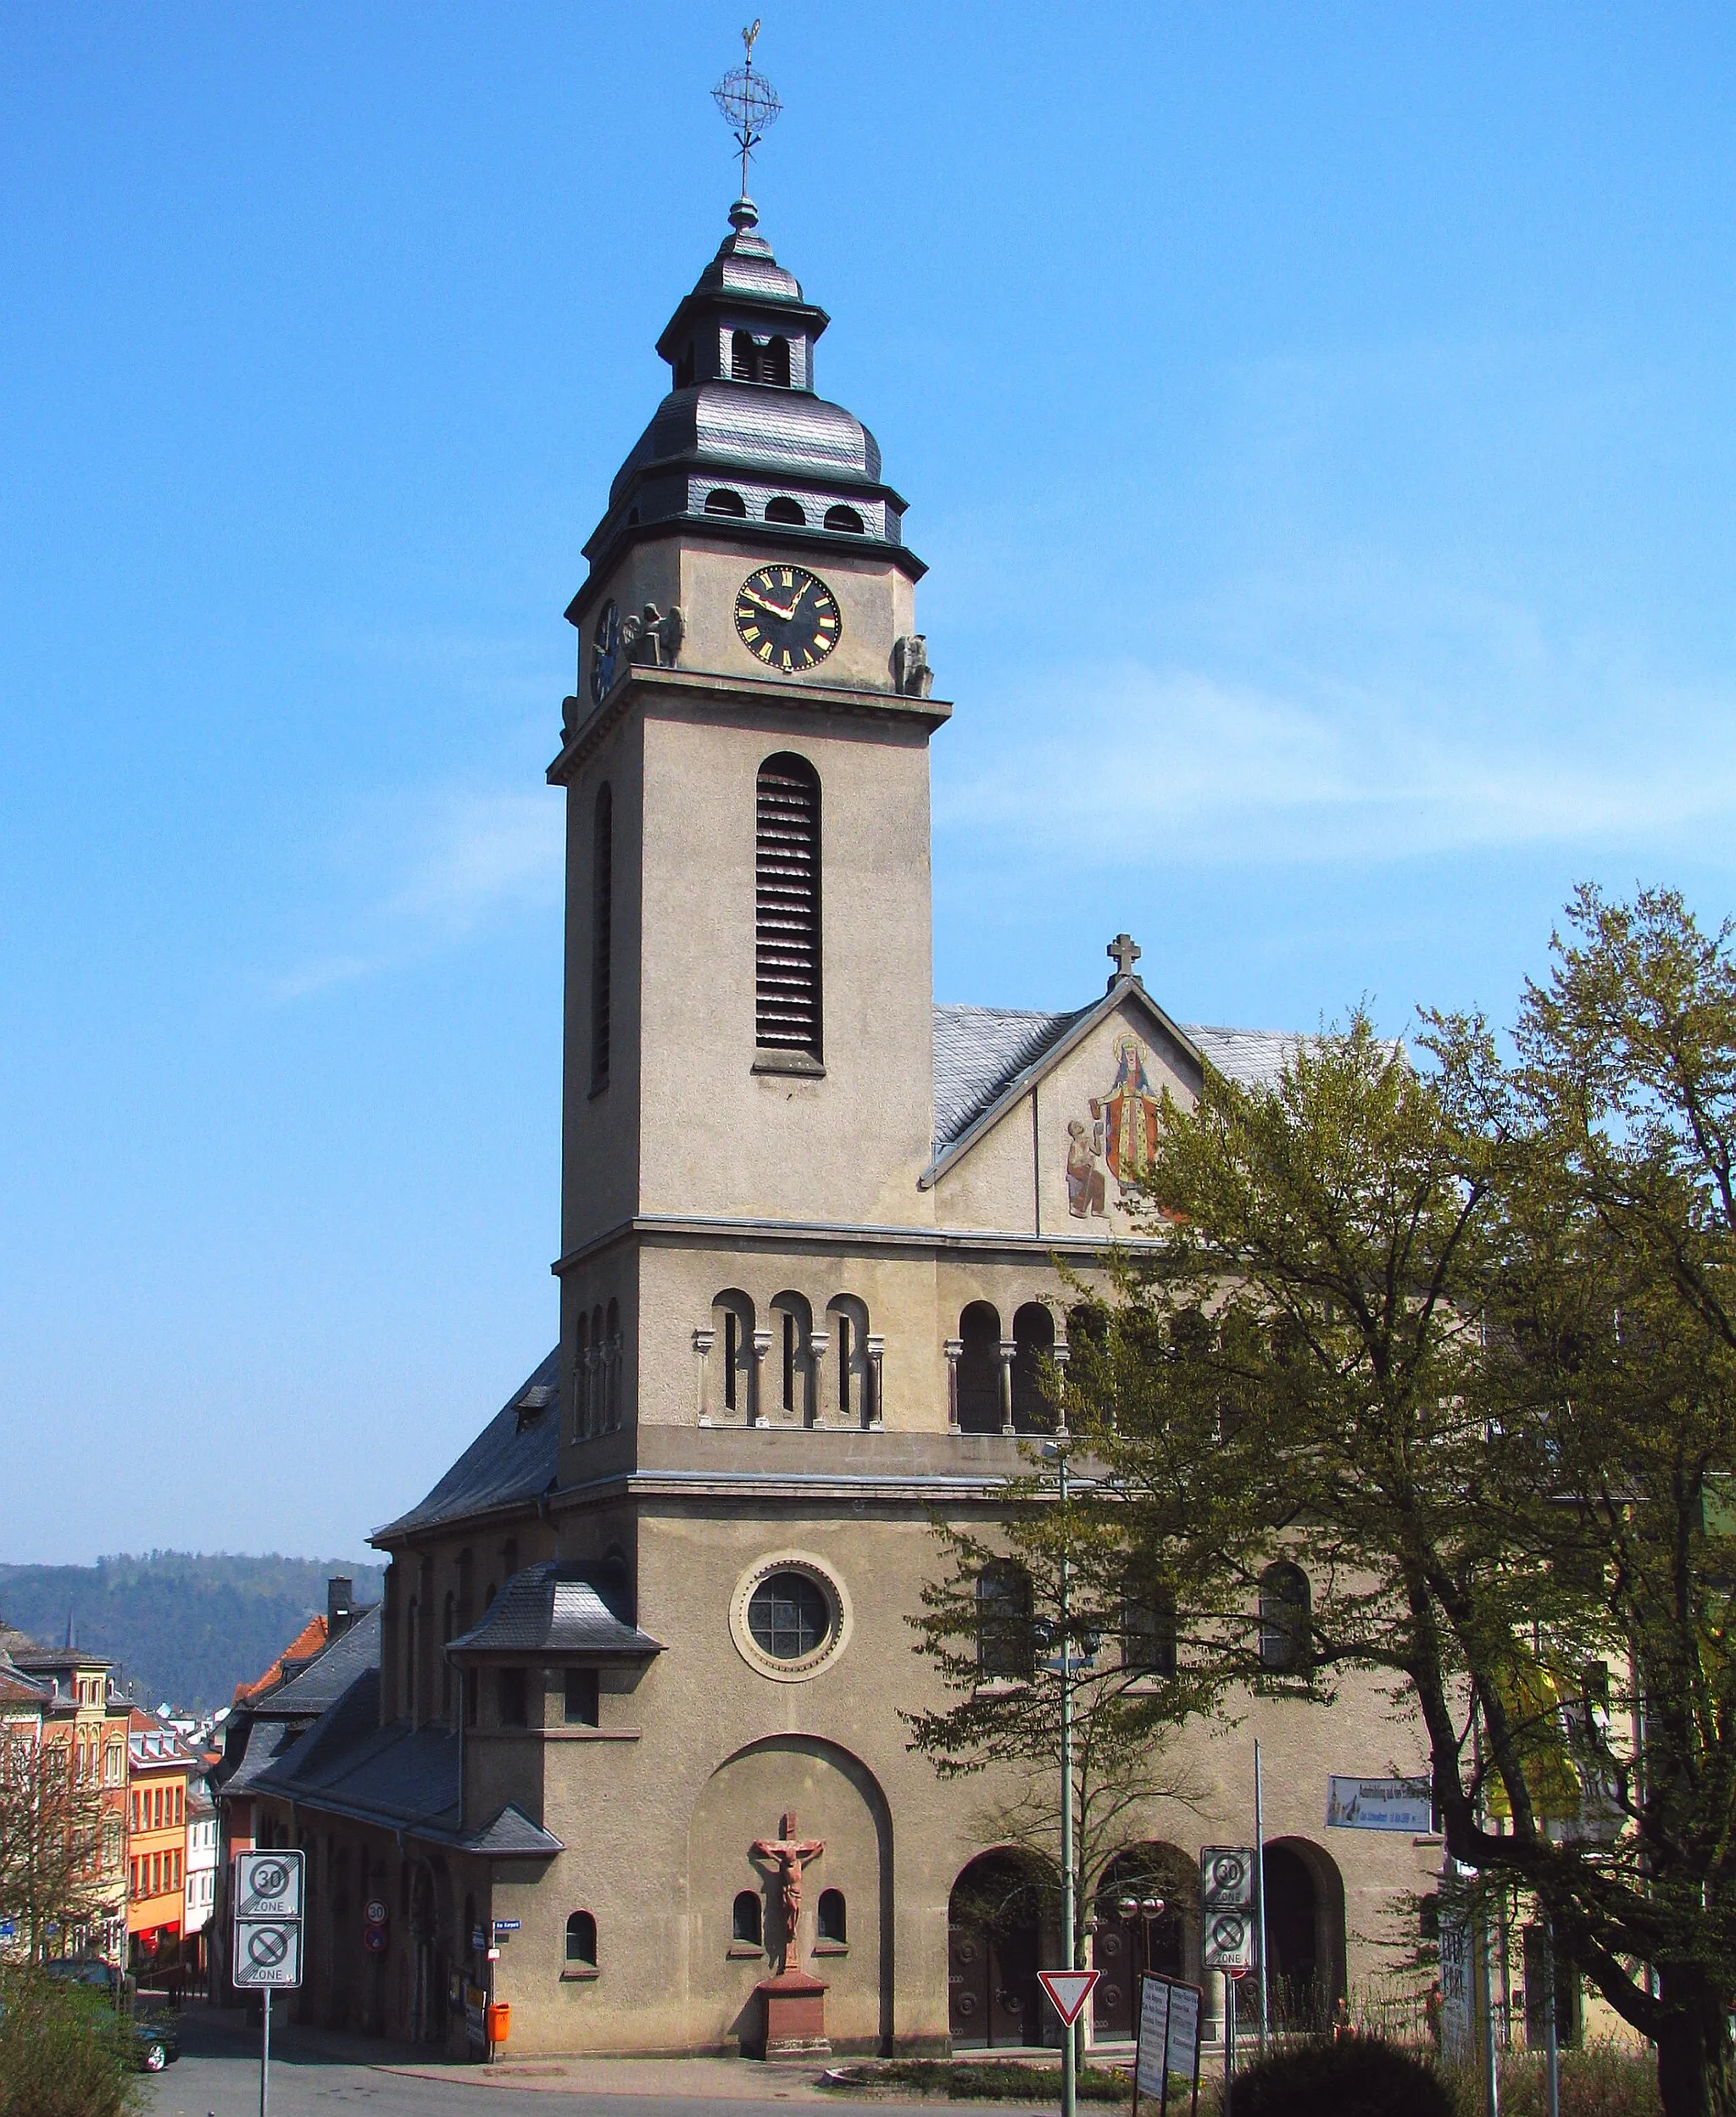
x=265, y=2058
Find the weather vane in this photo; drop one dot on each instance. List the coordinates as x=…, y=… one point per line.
x=748, y=102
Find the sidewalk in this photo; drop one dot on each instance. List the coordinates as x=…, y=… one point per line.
x=699, y=2080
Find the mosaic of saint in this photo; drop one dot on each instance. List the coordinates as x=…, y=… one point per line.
x=1120, y=1140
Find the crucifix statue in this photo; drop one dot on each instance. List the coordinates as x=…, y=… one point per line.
x=792, y=1855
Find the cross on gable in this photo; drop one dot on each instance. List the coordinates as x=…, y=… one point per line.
x=1127, y=952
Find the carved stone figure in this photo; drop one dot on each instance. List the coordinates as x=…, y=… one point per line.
x=653, y=641
x=910, y=672
x=791, y=1853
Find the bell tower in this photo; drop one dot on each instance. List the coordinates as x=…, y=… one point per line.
x=745, y=756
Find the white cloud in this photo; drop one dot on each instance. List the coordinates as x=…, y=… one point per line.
x=1129, y=766
x=442, y=865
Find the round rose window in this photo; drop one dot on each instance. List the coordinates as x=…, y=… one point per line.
x=789, y=1616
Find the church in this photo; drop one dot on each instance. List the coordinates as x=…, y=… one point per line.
x=621, y=1751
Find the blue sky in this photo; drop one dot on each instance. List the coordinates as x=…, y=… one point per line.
x=1318, y=422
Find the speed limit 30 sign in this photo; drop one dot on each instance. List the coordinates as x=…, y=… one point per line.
x=267, y=1897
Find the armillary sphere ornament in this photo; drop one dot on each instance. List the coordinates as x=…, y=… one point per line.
x=748, y=102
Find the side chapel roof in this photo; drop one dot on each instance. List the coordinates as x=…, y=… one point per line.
x=513, y=1459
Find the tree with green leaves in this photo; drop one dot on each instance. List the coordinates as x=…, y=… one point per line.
x=1455, y=1333
x=994, y=1628
x=55, y=1878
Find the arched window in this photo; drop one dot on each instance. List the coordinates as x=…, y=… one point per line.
x=1148, y=1630
x=787, y=906
x=785, y=510
x=601, y=925
x=1033, y=1335
x=1284, y=1618
x=411, y=1628
x=722, y=501
x=830, y=1917
x=446, y=1616
x=793, y=1321
x=844, y=518
x=612, y=1408
x=732, y=1320
x=581, y=1380
x=746, y=1919
x=852, y=1389
x=1005, y=1638
x=752, y=363
x=581, y=1941
x=979, y=1369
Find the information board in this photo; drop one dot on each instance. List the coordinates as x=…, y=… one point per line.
x=1167, y=2039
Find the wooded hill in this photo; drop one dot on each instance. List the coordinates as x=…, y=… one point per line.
x=187, y=1626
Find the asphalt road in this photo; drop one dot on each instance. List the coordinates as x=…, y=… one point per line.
x=314, y=2073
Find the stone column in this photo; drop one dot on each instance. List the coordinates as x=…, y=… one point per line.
x=873, y=1411
x=762, y=1345
x=703, y=1340
x=1060, y=1355
x=954, y=1350
x=818, y=1341
x=1007, y=1349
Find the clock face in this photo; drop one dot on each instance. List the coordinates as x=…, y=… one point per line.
x=605, y=651
x=788, y=618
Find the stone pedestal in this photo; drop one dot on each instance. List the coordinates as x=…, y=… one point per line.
x=795, y=2016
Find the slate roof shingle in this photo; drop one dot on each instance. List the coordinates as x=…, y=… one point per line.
x=979, y=1052
x=559, y=1607
x=512, y=1459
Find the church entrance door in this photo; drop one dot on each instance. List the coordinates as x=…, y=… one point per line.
x=1128, y=1941
x=994, y=1952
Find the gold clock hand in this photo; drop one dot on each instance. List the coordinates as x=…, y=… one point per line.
x=777, y=610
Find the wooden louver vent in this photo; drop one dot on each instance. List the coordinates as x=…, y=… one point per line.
x=787, y=907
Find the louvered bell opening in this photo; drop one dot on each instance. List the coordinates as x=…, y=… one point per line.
x=786, y=908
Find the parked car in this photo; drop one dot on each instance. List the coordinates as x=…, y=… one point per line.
x=156, y=2035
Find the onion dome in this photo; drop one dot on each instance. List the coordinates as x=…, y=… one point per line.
x=742, y=446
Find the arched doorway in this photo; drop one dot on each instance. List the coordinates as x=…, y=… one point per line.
x=994, y=1948
x=1129, y=1939
x=1304, y=1933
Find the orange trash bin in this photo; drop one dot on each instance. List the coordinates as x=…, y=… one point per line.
x=498, y=2022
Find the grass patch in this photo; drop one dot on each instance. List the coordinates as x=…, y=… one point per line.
x=984, y=2080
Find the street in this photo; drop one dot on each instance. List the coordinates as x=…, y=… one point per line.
x=316, y=2071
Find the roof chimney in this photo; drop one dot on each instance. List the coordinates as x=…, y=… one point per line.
x=340, y=1606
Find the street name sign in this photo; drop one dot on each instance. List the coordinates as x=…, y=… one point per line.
x=1380, y=1804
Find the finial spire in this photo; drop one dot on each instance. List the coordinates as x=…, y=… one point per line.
x=749, y=104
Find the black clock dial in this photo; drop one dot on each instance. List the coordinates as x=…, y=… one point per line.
x=788, y=618
x=605, y=651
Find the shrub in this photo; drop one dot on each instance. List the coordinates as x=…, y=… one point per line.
x=64, y=2052
x=1604, y=2079
x=1357, y=2076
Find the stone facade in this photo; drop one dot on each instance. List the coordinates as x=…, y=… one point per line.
x=804, y=1290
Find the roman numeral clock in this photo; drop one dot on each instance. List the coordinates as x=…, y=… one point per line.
x=788, y=618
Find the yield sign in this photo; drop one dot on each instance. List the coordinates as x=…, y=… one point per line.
x=1068, y=1992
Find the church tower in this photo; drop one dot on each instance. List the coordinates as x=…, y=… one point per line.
x=745, y=759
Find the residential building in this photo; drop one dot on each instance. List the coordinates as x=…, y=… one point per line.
x=159, y=1769
x=268, y=1716
x=86, y=1721
x=201, y=1873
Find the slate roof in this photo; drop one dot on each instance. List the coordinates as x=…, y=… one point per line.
x=257, y=1747
x=512, y=1460
x=559, y=1607
x=979, y=1052
x=325, y=1679
x=396, y=1776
